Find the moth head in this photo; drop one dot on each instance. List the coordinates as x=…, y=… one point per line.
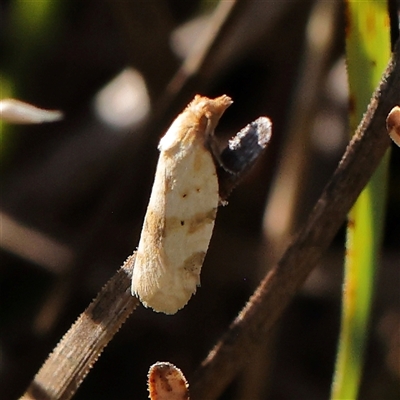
x=211, y=109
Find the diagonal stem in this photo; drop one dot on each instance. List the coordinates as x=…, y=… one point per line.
x=274, y=293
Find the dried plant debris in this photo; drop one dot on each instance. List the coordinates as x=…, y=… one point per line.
x=18, y=112
x=393, y=124
x=243, y=151
x=167, y=382
x=241, y=148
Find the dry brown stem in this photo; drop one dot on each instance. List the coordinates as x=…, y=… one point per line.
x=250, y=329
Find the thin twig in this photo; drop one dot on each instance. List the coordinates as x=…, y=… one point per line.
x=78, y=350
x=253, y=324
x=286, y=188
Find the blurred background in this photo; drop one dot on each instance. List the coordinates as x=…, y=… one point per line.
x=74, y=193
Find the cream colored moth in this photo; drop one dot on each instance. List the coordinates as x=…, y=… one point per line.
x=182, y=208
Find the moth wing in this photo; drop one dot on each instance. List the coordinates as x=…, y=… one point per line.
x=150, y=262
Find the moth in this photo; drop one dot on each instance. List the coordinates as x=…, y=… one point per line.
x=183, y=204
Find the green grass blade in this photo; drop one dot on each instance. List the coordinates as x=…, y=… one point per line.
x=368, y=51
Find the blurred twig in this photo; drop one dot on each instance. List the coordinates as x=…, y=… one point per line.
x=33, y=245
x=250, y=329
x=280, y=214
x=19, y=112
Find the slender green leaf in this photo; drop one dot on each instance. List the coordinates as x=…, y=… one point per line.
x=368, y=51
